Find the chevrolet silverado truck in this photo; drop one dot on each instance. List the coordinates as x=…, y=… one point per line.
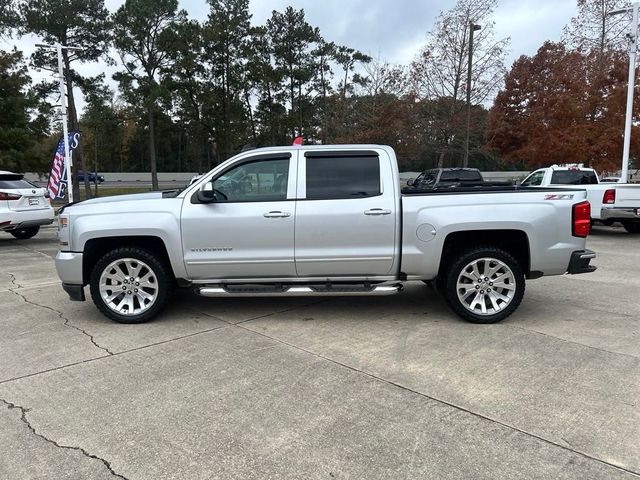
x=610, y=202
x=319, y=221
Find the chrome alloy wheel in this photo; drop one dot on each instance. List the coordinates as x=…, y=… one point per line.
x=128, y=286
x=486, y=286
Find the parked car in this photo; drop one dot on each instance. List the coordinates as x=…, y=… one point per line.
x=24, y=207
x=332, y=222
x=93, y=177
x=609, y=202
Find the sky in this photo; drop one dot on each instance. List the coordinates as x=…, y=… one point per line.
x=393, y=30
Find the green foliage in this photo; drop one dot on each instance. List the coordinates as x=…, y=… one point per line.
x=21, y=124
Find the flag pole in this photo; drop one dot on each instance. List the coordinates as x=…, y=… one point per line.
x=65, y=130
x=63, y=110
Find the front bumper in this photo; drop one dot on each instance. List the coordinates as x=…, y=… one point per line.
x=69, y=268
x=619, y=213
x=579, y=262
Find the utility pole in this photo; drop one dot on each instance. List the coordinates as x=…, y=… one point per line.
x=633, y=51
x=63, y=110
x=472, y=28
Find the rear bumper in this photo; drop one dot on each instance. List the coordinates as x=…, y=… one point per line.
x=579, y=262
x=27, y=218
x=619, y=213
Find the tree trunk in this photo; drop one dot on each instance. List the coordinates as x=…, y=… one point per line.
x=75, y=125
x=152, y=149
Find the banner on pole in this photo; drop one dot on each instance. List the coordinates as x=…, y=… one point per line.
x=58, y=181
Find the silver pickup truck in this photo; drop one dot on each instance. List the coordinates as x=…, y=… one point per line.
x=314, y=221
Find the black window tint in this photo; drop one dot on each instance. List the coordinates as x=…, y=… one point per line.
x=573, y=177
x=460, y=176
x=342, y=177
x=16, y=184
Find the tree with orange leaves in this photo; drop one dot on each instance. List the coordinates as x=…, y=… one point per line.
x=563, y=106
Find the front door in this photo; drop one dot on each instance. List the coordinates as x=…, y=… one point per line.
x=249, y=231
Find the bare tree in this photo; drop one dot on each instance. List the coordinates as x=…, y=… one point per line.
x=439, y=70
x=594, y=28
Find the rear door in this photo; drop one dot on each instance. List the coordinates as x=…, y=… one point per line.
x=346, y=214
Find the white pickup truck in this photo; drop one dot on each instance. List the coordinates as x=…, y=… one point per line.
x=610, y=202
x=319, y=221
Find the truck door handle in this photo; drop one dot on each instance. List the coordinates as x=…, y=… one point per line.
x=377, y=211
x=276, y=214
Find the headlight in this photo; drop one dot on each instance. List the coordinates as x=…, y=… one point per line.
x=63, y=230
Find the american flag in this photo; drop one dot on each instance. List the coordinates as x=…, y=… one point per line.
x=55, y=185
x=58, y=181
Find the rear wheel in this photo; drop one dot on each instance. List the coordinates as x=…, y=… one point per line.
x=484, y=285
x=25, y=233
x=632, y=226
x=130, y=285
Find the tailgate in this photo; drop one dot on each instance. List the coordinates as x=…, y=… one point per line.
x=30, y=199
x=627, y=196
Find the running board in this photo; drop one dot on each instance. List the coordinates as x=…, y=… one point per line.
x=299, y=291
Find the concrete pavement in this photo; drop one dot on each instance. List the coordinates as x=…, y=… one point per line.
x=388, y=387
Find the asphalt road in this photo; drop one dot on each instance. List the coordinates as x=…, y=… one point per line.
x=367, y=388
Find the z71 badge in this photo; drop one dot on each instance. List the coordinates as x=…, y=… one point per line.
x=561, y=196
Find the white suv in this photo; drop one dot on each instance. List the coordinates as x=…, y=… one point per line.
x=23, y=206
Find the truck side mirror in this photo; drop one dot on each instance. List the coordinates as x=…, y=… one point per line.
x=207, y=194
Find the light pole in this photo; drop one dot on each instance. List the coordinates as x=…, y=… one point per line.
x=472, y=28
x=633, y=51
x=63, y=110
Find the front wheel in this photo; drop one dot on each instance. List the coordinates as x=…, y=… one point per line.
x=632, y=226
x=130, y=285
x=25, y=233
x=484, y=285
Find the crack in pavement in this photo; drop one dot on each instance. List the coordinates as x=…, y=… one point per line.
x=67, y=322
x=25, y=420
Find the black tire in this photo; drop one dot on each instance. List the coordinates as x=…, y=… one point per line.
x=25, y=233
x=162, y=279
x=460, y=264
x=632, y=226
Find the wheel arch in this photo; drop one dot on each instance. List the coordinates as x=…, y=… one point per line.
x=514, y=242
x=95, y=248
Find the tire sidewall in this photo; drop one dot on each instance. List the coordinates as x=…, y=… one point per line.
x=462, y=261
x=159, y=269
x=25, y=233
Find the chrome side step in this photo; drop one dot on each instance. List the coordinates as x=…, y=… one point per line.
x=298, y=291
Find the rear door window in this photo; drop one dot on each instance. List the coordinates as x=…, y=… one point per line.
x=342, y=177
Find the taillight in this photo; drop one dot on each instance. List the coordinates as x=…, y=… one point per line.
x=581, y=219
x=609, y=196
x=9, y=196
